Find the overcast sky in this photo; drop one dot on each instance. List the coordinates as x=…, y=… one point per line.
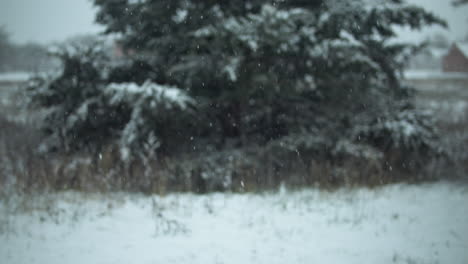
x=46, y=21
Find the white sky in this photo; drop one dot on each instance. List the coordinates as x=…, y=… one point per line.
x=45, y=21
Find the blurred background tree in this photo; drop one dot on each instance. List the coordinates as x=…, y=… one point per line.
x=460, y=2
x=29, y=57
x=5, y=48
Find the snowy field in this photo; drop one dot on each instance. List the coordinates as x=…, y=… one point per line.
x=433, y=74
x=443, y=94
x=424, y=224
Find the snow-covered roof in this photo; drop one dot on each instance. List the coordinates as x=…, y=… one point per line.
x=463, y=47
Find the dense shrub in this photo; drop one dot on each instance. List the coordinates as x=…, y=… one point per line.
x=318, y=80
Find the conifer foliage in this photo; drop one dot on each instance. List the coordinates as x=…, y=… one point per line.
x=251, y=73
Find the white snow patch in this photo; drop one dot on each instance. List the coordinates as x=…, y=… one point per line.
x=431, y=74
x=463, y=48
x=124, y=91
x=395, y=224
x=180, y=16
x=15, y=76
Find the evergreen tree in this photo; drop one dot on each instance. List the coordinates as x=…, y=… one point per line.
x=310, y=75
x=274, y=67
x=248, y=88
x=5, y=49
x=460, y=2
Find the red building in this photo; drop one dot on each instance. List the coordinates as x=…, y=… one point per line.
x=457, y=58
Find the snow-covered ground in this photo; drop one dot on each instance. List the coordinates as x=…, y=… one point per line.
x=422, y=224
x=447, y=111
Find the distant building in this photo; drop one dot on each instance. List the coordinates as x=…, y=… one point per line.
x=456, y=59
x=119, y=52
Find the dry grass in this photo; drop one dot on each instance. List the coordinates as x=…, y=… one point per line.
x=24, y=170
